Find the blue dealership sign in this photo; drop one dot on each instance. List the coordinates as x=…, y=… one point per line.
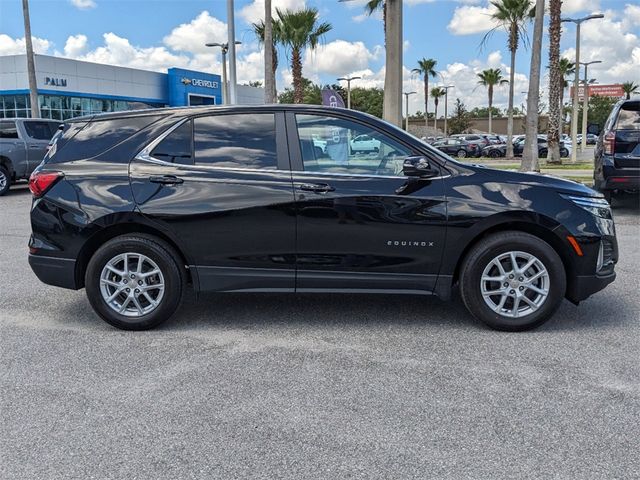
x=188, y=87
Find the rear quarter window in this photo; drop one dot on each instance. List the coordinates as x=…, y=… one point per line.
x=8, y=130
x=89, y=139
x=629, y=117
x=41, y=130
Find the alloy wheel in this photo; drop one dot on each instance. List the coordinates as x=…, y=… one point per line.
x=132, y=284
x=515, y=284
x=3, y=180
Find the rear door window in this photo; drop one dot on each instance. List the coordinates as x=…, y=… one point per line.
x=8, y=130
x=98, y=136
x=177, y=146
x=246, y=141
x=41, y=130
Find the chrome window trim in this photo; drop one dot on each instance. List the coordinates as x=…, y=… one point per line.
x=145, y=153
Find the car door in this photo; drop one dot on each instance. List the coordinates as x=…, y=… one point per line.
x=221, y=185
x=13, y=147
x=38, y=133
x=361, y=224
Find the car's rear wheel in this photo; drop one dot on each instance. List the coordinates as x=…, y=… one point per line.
x=135, y=282
x=494, y=153
x=564, y=153
x=461, y=153
x=512, y=281
x=5, y=180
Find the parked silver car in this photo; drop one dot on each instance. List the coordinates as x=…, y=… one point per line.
x=23, y=143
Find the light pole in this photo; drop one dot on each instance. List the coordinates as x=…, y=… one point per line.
x=446, y=101
x=585, y=103
x=406, y=104
x=224, y=48
x=348, y=80
x=574, y=115
x=231, y=38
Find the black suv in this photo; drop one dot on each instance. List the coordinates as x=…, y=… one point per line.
x=136, y=206
x=457, y=147
x=617, y=153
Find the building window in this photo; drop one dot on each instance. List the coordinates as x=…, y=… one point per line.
x=62, y=107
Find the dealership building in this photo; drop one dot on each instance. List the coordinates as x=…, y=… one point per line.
x=70, y=88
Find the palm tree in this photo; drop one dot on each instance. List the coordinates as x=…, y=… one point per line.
x=567, y=69
x=530, y=162
x=512, y=15
x=436, y=94
x=260, y=31
x=490, y=78
x=31, y=69
x=299, y=30
x=555, y=83
x=426, y=67
x=629, y=88
x=392, y=20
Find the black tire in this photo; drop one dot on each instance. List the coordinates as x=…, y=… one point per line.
x=494, y=153
x=543, y=153
x=564, y=153
x=608, y=195
x=5, y=180
x=461, y=153
x=481, y=256
x=167, y=260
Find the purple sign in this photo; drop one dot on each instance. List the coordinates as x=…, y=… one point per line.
x=331, y=98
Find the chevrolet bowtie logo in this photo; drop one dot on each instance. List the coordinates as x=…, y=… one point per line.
x=186, y=81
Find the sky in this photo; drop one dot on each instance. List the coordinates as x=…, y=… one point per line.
x=159, y=34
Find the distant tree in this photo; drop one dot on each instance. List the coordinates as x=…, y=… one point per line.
x=368, y=100
x=556, y=82
x=483, y=112
x=260, y=31
x=630, y=88
x=426, y=68
x=490, y=78
x=460, y=121
x=255, y=83
x=311, y=94
x=599, y=110
x=436, y=93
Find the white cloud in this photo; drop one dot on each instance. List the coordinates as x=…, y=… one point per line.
x=470, y=19
x=494, y=59
x=360, y=18
x=11, y=46
x=338, y=58
x=573, y=6
x=615, y=42
x=83, y=4
x=254, y=12
x=192, y=36
x=75, y=45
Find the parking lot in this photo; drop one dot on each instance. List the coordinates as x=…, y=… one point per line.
x=315, y=386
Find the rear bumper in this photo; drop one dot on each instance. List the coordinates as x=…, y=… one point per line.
x=619, y=178
x=59, y=272
x=582, y=287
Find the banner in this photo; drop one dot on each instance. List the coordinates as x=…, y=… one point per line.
x=331, y=98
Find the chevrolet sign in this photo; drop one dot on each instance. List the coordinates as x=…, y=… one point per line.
x=198, y=82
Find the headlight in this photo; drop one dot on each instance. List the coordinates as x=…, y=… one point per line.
x=594, y=205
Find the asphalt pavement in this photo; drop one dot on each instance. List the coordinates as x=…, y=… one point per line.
x=315, y=386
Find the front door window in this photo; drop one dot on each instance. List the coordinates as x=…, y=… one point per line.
x=336, y=145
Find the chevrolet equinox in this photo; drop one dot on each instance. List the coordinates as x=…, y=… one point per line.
x=136, y=206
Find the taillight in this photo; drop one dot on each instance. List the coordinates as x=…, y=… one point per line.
x=609, y=142
x=473, y=145
x=40, y=182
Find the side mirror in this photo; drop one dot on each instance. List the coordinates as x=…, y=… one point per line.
x=418, y=166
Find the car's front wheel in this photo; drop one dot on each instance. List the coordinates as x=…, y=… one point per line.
x=5, y=180
x=135, y=282
x=461, y=153
x=512, y=281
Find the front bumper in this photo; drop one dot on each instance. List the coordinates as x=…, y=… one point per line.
x=59, y=272
x=582, y=287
